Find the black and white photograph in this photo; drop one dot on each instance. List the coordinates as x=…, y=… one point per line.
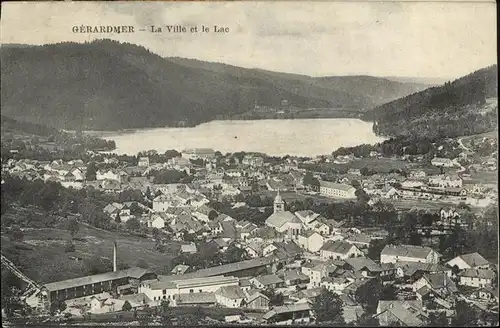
x=249, y=163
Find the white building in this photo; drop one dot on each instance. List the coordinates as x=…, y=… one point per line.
x=339, y=250
x=469, y=261
x=161, y=203
x=336, y=190
x=284, y=221
x=199, y=153
x=311, y=241
x=408, y=253
x=143, y=162
x=157, y=220
x=230, y=296
x=476, y=277
x=442, y=162
x=159, y=290
x=446, y=181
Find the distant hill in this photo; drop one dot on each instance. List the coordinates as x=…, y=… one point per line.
x=10, y=125
x=430, y=81
x=465, y=106
x=107, y=85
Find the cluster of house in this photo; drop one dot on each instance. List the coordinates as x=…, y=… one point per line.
x=297, y=254
x=424, y=283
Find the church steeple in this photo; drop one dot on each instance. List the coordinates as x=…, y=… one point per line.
x=279, y=204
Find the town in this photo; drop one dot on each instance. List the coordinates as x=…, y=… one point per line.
x=343, y=238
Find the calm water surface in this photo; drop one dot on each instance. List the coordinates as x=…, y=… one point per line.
x=303, y=137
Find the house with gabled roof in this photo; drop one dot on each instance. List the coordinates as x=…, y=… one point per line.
x=310, y=240
x=256, y=300
x=439, y=283
x=469, y=261
x=404, y=313
x=285, y=222
x=336, y=190
x=476, y=277
x=339, y=250
x=267, y=281
x=203, y=213
x=317, y=270
x=157, y=220
x=230, y=296
x=366, y=266
x=254, y=249
x=408, y=253
x=115, y=209
x=288, y=314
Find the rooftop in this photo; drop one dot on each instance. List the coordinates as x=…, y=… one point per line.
x=340, y=247
x=337, y=186
x=135, y=272
x=231, y=292
x=420, y=252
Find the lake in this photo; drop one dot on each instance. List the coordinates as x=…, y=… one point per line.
x=299, y=137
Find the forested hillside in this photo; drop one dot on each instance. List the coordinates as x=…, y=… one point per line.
x=110, y=85
x=465, y=106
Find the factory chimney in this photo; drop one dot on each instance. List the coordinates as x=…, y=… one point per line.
x=114, y=256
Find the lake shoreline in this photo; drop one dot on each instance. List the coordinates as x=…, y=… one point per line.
x=274, y=137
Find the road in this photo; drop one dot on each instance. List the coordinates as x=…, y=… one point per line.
x=462, y=145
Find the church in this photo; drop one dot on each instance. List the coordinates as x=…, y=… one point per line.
x=284, y=221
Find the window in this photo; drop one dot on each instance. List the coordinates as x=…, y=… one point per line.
x=190, y=290
x=201, y=291
x=164, y=291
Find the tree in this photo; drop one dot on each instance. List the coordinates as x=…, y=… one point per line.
x=466, y=316
x=96, y=265
x=389, y=293
x=133, y=224
x=375, y=248
x=156, y=233
x=72, y=226
x=437, y=320
x=142, y=264
x=126, y=306
x=91, y=173
x=164, y=312
x=275, y=299
x=356, y=184
x=327, y=307
x=235, y=254
x=212, y=215
x=135, y=209
x=16, y=234
x=69, y=247
x=62, y=306
x=415, y=239
x=10, y=285
x=369, y=294
x=366, y=320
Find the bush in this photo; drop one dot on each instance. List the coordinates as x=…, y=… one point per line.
x=142, y=264
x=69, y=247
x=126, y=306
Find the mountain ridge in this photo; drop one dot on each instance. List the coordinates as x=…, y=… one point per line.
x=109, y=85
x=467, y=105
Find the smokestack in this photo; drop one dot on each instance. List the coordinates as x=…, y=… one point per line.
x=114, y=256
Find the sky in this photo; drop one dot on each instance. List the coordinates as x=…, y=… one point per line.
x=407, y=39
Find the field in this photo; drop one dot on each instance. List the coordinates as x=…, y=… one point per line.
x=483, y=177
x=41, y=256
x=382, y=165
x=421, y=204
